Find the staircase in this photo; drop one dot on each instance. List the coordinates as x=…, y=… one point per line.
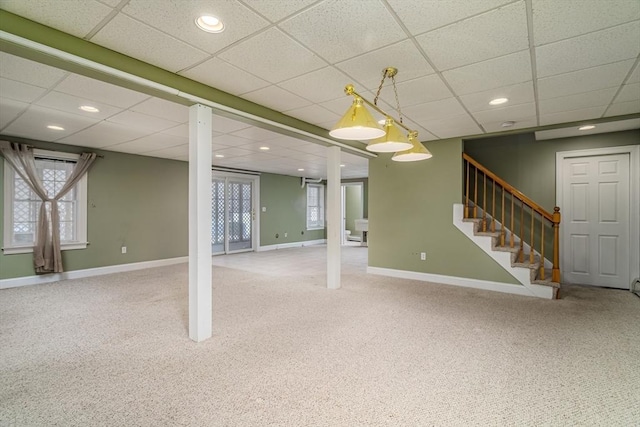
x=511, y=228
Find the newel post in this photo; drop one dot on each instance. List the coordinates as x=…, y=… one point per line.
x=555, y=272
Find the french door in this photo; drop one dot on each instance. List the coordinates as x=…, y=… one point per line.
x=233, y=219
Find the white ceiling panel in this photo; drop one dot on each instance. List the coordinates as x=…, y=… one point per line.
x=489, y=35
x=493, y=73
x=25, y=71
x=152, y=142
x=163, y=109
x=571, y=116
x=367, y=69
x=230, y=140
x=225, y=125
x=556, y=20
x=630, y=92
x=180, y=130
x=215, y=72
x=590, y=50
x=86, y=88
x=71, y=104
x=19, y=91
x=257, y=134
x=277, y=10
x=276, y=98
x=446, y=127
x=521, y=93
x=76, y=17
x=615, y=126
x=103, y=134
x=520, y=124
x=339, y=105
x=263, y=56
x=589, y=79
x=577, y=102
x=336, y=35
x=10, y=109
x=420, y=16
x=177, y=18
x=416, y=91
x=317, y=86
x=141, y=41
x=171, y=152
x=430, y=111
x=635, y=76
x=510, y=113
x=622, y=108
x=142, y=121
x=313, y=114
x=33, y=124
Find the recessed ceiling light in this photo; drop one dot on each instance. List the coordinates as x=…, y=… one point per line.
x=586, y=127
x=264, y=148
x=219, y=156
x=54, y=127
x=508, y=124
x=89, y=109
x=210, y=24
x=300, y=169
x=342, y=166
x=498, y=101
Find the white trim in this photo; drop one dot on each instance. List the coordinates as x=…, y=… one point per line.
x=89, y=272
x=634, y=190
x=292, y=245
x=457, y=281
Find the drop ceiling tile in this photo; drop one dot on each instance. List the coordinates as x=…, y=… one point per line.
x=629, y=92
x=590, y=50
x=150, y=143
x=226, y=125
x=494, y=73
x=163, y=109
x=9, y=110
x=287, y=142
x=171, y=152
x=276, y=98
x=367, y=69
x=556, y=20
x=273, y=150
x=230, y=141
x=251, y=55
x=339, y=105
x=578, y=101
x=572, y=116
x=635, y=76
x=103, y=134
x=622, y=108
x=416, y=91
x=233, y=152
x=313, y=114
x=427, y=112
x=71, y=104
x=420, y=16
x=423, y=134
x=30, y=72
x=215, y=72
x=75, y=17
x=180, y=130
x=132, y=38
x=520, y=93
x=19, y=91
x=112, y=3
x=489, y=35
x=177, y=18
x=255, y=133
x=277, y=10
x=586, y=80
x=510, y=113
x=527, y=123
x=141, y=121
x=453, y=126
x=33, y=124
x=318, y=86
x=335, y=35
x=86, y=88
x=311, y=148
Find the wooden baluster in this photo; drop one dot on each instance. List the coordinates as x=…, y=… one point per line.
x=502, y=226
x=493, y=208
x=532, y=256
x=541, y=247
x=511, y=240
x=475, y=195
x=466, y=204
x=555, y=272
x=484, y=204
x=521, y=231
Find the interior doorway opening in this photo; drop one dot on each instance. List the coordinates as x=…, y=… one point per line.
x=352, y=208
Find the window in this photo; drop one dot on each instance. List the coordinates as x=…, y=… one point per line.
x=21, y=204
x=315, y=206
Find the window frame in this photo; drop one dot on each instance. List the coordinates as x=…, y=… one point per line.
x=321, y=206
x=9, y=248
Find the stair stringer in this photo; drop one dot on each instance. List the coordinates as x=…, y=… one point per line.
x=522, y=275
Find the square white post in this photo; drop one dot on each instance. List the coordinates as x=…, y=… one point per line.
x=334, y=220
x=200, y=305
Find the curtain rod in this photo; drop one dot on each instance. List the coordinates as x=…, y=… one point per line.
x=100, y=156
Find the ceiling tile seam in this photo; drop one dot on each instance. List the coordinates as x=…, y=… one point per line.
x=589, y=33
x=163, y=148
x=100, y=25
x=588, y=68
x=533, y=59
x=444, y=70
x=624, y=82
x=555, y=98
x=285, y=18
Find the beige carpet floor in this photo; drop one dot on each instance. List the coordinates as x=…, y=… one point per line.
x=114, y=351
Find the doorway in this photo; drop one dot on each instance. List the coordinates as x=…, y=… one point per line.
x=598, y=197
x=233, y=213
x=352, y=207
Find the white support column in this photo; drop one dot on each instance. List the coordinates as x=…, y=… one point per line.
x=200, y=305
x=334, y=219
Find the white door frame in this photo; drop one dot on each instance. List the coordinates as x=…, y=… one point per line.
x=634, y=201
x=343, y=208
x=255, y=226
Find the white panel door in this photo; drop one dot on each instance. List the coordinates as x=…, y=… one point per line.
x=595, y=207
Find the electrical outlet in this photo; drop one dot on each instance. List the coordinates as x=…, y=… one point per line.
x=286, y=234
x=264, y=209
x=423, y=256
x=124, y=249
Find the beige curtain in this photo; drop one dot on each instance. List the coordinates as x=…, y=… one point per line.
x=47, y=257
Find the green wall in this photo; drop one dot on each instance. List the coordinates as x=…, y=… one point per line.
x=286, y=211
x=136, y=201
x=353, y=207
x=529, y=165
x=365, y=193
x=410, y=211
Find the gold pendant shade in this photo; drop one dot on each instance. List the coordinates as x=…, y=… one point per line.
x=394, y=140
x=415, y=153
x=357, y=123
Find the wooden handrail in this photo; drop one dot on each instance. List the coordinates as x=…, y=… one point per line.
x=509, y=187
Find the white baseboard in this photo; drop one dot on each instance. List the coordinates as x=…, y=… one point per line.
x=292, y=245
x=89, y=272
x=455, y=281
